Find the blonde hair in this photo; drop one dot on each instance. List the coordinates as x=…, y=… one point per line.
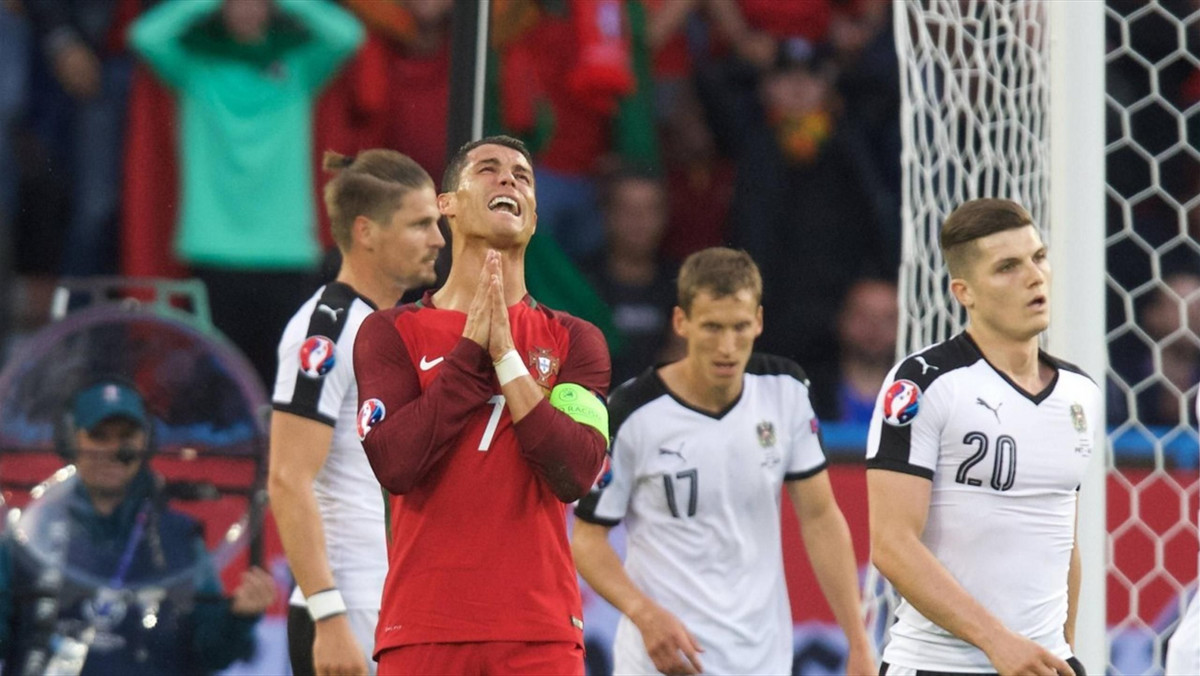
x=720, y=271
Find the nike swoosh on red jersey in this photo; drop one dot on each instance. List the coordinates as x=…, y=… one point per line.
x=426, y=364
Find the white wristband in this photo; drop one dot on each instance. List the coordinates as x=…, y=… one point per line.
x=510, y=367
x=325, y=603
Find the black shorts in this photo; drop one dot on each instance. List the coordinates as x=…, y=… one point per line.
x=301, y=631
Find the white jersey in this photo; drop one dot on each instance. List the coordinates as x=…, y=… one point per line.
x=1005, y=467
x=700, y=496
x=316, y=381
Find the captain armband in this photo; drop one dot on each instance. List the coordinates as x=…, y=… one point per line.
x=581, y=406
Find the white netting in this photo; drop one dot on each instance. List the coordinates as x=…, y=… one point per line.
x=975, y=122
x=974, y=100
x=1153, y=108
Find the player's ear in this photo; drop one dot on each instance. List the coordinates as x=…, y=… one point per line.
x=447, y=203
x=962, y=292
x=362, y=231
x=758, y=316
x=679, y=322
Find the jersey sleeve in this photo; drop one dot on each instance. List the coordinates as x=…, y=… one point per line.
x=807, y=454
x=905, y=431
x=608, y=500
x=567, y=454
x=316, y=364
x=403, y=429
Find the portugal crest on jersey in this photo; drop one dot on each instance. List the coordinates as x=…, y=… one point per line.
x=316, y=356
x=901, y=402
x=371, y=414
x=543, y=365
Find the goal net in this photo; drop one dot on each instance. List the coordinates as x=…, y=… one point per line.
x=976, y=103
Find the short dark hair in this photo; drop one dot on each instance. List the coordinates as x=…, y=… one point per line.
x=372, y=183
x=455, y=166
x=720, y=271
x=974, y=220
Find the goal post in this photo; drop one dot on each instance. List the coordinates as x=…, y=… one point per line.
x=1076, y=245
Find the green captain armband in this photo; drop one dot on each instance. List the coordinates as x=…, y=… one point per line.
x=581, y=405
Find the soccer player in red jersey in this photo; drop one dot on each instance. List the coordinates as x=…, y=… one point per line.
x=481, y=413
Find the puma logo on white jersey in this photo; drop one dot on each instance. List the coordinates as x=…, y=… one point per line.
x=333, y=314
x=925, y=366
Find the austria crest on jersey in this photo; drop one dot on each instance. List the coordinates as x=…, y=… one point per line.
x=316, y=356
x=901, y=403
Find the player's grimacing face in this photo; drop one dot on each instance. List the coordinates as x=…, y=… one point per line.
x=720, y=334
x=495, y=197
x=1007, y=286
x=410, y=242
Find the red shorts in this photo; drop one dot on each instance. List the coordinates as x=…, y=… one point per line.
x=484, y=658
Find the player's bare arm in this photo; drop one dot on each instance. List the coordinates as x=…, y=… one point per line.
x=299, y=447
x=827, y=540
x=670, y=645
x=1074, y=579
x=899, y=507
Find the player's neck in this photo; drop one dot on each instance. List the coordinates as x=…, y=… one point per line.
x=459, y=289
x=383, y=293
x=1018, y=359
x=687, y=382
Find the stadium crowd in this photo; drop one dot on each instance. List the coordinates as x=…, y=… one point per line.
x=766, y=126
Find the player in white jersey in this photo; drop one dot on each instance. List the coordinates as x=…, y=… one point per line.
x=326, y=500
x=701, y=450
x=975, y=454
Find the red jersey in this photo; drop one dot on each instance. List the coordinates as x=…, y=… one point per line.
x=478, y=543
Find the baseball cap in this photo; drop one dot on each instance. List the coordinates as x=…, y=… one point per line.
x=106, y=400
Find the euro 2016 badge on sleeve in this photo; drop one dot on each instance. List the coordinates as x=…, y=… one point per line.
x=901, y=403
x=371, y=414
x=316, y=356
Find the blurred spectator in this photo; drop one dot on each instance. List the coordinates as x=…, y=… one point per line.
x=245, y=74
x=868, y=82
x=699, y=181
x=757, y=30
x=666, y=38
x=800, y=205
x=593, y=97
x=14, y=77
x=395, y=92
x=1167, y=378
x=630, y=276
x=84, y=46
x=866, y=327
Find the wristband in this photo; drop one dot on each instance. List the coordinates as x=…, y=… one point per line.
x=510, y=367
x=325, y=603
